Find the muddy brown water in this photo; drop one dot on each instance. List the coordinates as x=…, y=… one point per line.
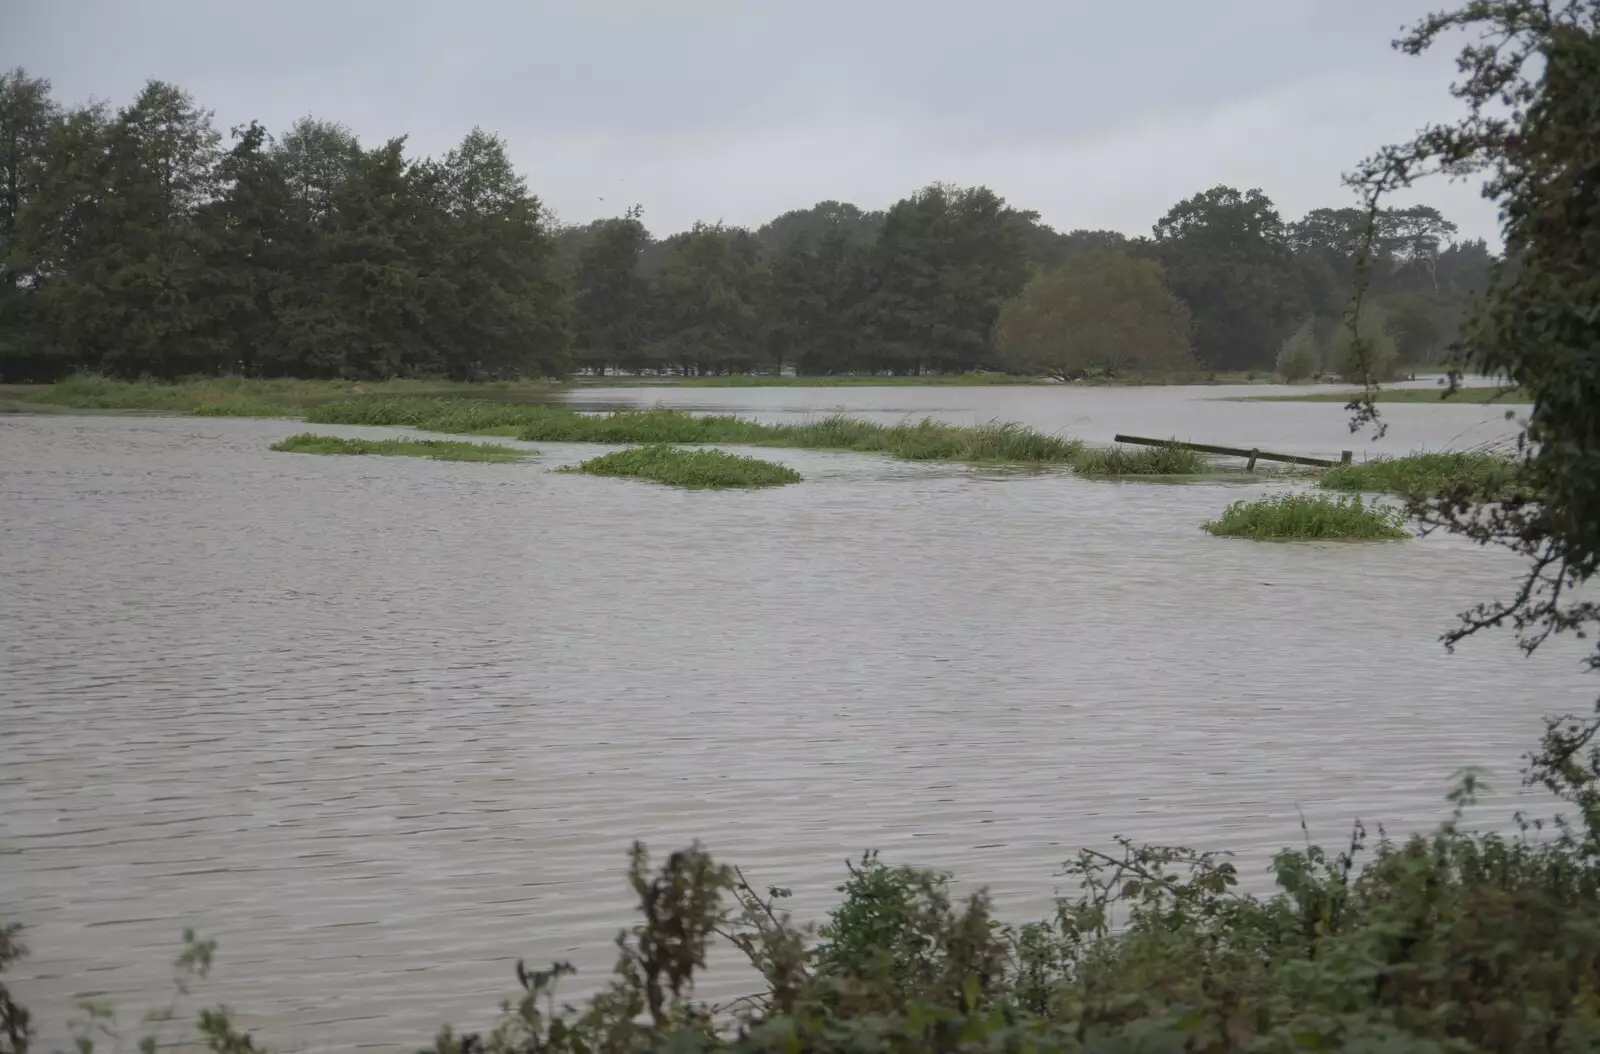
x=382, y=726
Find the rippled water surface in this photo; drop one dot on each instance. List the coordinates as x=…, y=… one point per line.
x=384, y=725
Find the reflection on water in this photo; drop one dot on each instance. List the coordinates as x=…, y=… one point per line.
x=384, y=725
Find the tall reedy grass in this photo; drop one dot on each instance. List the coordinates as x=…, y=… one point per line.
x=1298, y=516
x=1167, y=460
x=925, y=440
x=664, y=463
x=1420, y=475
x=435, y=449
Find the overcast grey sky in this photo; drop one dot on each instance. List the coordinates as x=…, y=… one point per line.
x=1096, y=114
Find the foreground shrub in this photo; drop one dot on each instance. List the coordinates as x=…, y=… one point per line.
x=1417, y=475
x=1290, y=516
x=437, y=449
x=1449, y=942
x=1168, y=460
x=688, y=468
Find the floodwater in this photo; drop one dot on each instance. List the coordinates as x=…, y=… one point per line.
x=382, y=726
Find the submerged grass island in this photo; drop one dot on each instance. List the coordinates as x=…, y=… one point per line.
x=1484, y=474
x=699, y=469
x=435, y=449
x=1308, y=517
x=925, y=440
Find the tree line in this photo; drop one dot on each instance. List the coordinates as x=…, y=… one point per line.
x=139, y=241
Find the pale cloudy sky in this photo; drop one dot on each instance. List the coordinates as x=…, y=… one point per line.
x=1095, y=114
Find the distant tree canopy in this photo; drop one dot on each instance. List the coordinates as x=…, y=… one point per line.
x=141, y=241
x=1102, y=312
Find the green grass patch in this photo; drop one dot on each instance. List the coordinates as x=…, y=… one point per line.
x=1119, y=460
x=854, y=380
x=927, y=380
x=436, y=449
x=1426, y=474
x=1439, y=394
x=1309, y=516
x=249, y=397
x=925, y=440
x=661, y=463
x=458, y=416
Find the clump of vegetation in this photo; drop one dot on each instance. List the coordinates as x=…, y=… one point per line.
x=1299, y=359
x=1309, y=516
x=1482, y=474
x=455, y=416
x=1454, y=941
x=843, y=380
x=1441, y=393
x=1103, y=312
x=662, y=463
x=1368, y=352
x=925, y=440
x=207, y=398
x=256, y=397
x=1167, y=460
x=436, y=449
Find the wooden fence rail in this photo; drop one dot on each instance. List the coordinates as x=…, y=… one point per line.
x=1253, y=455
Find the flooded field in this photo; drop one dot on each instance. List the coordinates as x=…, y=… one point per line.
x=382, y=726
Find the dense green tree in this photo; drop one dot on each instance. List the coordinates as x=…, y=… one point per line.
x=1227, y=256
x=812, y=300
x=499, y=307
x=251, y=251
x=125, y=260
x=610, y=297
x=27, y=119
x=943, y=262
x=361, y=309
x=1103, y=312
x=707, y=297
x=135, y=242
x=316, y=158
x=817, y=223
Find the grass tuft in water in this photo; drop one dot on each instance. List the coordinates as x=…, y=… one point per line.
x=925, y=440
x=662, y=463
x=1421, y=475
x=1169, y=460
x=436, y=449
x=1437, y=394
x=1309, y=516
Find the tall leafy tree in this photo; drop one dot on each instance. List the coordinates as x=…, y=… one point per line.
x=500, y=307
x=252, y=250
x=1227, y=256
x=363, y=311
x=943, y=262
x=707, y=296
x=27, y=118
x=610, y=297
x=810, y=313
x=818, y=222
x=119, y=237
x=316, y=157
x=1103, y=312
